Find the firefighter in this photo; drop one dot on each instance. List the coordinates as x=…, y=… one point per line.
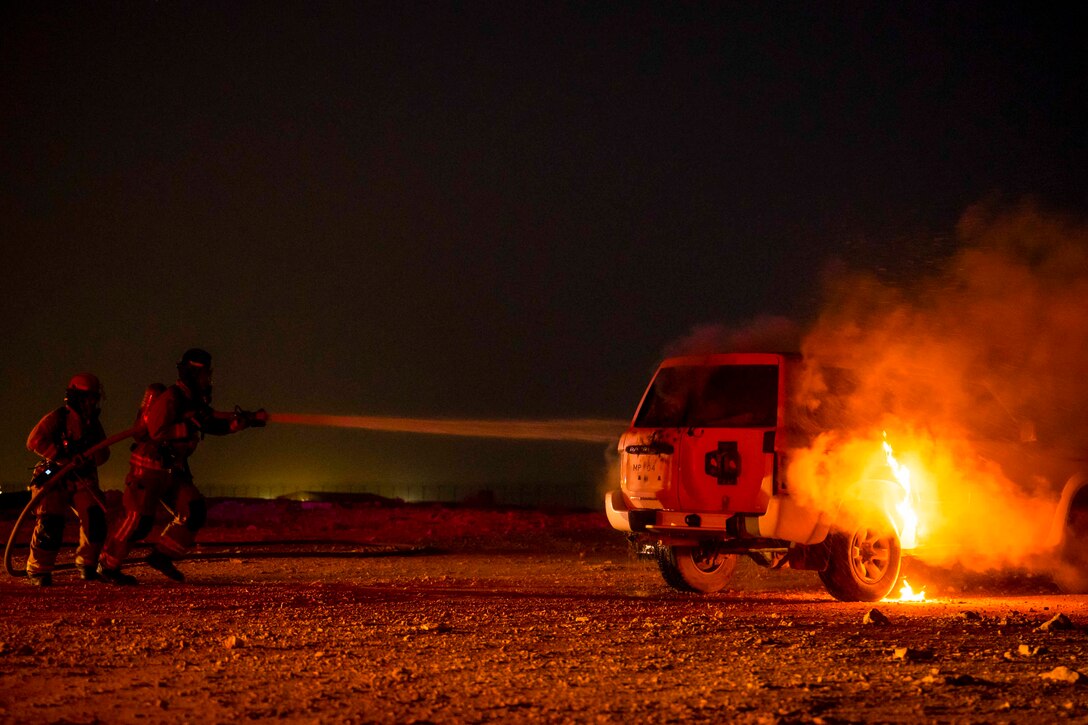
x=176, y=420
x=61, y=437
x=145, y=485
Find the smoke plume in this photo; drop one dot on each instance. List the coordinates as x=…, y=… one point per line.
x=977, y=373
x=766, y=333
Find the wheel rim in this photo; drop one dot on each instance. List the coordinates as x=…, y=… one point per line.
x=707, y=559
x=870, y=555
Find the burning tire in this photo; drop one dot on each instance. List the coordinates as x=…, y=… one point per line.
x=703, y=568
x=863, y=561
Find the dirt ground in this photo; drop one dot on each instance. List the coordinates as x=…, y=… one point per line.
x=447, y=614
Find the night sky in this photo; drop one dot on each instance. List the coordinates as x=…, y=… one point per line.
x=469, y=210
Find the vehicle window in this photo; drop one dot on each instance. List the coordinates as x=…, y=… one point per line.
x=724, y=396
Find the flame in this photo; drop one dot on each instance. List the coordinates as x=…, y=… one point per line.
x=908, y=517
x=907, y=594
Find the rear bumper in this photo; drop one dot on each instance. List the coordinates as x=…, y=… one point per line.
x=619, y=516
x=623, y=518
x=784, y=520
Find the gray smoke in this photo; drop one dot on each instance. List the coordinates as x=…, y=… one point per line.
x=766, y=333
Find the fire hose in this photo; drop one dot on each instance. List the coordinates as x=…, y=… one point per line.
x=586, y=430
x=58, y=476
x=52, y=481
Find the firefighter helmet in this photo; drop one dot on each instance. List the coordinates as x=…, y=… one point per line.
x=196, y=357
x=85, y=385
x=83, y=394
x=195, y=370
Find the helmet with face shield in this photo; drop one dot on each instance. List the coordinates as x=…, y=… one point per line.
x=84, y=393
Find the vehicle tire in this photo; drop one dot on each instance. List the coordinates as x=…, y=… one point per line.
x=703, y=568
x=863, y=561
x=1071, y=573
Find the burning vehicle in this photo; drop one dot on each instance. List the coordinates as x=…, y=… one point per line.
x=706, y=477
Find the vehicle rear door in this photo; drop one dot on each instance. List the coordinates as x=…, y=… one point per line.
x=726, y=451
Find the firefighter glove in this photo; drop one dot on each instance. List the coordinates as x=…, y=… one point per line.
x=249, y=419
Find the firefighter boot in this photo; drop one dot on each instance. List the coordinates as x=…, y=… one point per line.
x=41, y=579
x=116, y=576
x=162, y=563
x=88, y=573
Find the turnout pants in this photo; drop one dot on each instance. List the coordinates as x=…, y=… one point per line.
x=145, y=488
x=49, y=532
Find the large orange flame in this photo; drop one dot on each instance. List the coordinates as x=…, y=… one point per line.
x=908, y=516
x=908, y=520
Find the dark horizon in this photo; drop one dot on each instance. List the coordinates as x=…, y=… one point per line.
x=481, y=211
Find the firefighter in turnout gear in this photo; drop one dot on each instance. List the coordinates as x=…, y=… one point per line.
x=175, y=420
x=143, y=492
x=61, y=437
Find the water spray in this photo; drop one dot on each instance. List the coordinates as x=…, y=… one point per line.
x=584, y=430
